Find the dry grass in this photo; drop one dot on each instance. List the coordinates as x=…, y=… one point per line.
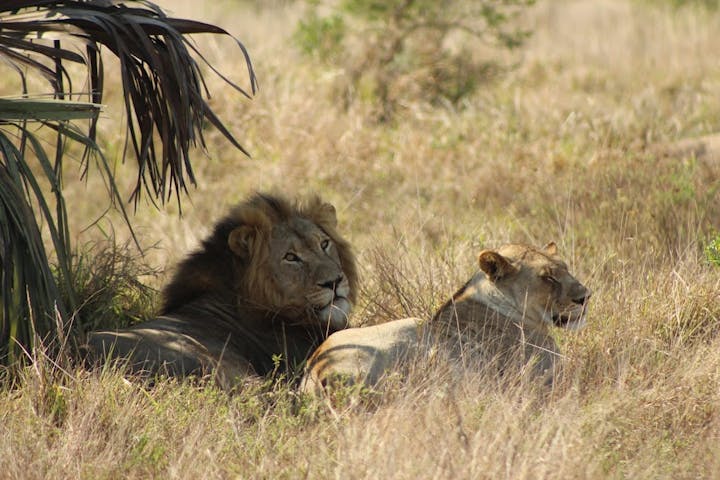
x=562, y=149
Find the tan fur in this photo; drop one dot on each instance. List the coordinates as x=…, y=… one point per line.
x=273, y=280
x=501, y=317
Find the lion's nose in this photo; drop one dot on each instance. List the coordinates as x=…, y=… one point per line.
x=331, y=284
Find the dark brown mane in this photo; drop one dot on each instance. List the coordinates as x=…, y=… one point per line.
x=205, y=270
x=213, y=269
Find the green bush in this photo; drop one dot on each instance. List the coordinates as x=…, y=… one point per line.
x=712, y=251
x=107, y=281
x=396, y=51
x=710, y=4
x=320, y=36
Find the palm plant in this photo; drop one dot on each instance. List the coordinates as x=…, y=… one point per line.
x=165, y=107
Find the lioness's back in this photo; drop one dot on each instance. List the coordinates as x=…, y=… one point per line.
x=362, y=354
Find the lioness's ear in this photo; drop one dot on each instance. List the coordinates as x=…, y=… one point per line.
x=551, y=248
x=327, y=215
x=241, y=240
x=494, y=265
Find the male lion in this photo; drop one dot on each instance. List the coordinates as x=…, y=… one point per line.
x=272, y=281
x=501, y=316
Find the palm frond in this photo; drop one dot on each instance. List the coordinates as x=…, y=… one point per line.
x=164, y=101
x=46, y=110
x=27, y=283
x=162, y=81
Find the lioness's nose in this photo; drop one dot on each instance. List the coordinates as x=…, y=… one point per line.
x=584, y=299
x=331, y=284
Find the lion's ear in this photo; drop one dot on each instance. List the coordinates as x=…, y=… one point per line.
x=327, y=215
x=241, y=240
x=494, y=265
x=551, y=248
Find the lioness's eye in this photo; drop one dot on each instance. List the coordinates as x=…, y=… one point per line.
x=291, y=257
x=325, y=244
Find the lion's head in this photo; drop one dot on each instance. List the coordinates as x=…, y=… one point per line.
x=535, y=285
x=275, y=256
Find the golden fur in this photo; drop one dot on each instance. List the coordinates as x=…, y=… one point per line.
x=501, y=316
x=272, y=281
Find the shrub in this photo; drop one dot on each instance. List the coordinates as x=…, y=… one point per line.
x=107, y=281
x=710, y=4
x=400, y=50
x=712, y=251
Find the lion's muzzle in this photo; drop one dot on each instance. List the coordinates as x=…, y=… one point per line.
x=331, y=305
x=336, y=314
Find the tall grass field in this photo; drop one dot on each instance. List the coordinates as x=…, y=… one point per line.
x=597, y=134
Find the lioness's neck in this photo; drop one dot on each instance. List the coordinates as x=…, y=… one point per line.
x=480, y=305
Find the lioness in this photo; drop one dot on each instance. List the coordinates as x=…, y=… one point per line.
x=502, y=314
x=272, y=281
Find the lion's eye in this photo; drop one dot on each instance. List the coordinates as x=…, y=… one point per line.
x=325, y=244
x=550, y=279
x=291, y=257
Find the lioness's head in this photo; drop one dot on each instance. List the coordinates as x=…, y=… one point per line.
x=291, y=260
x=537, y=284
